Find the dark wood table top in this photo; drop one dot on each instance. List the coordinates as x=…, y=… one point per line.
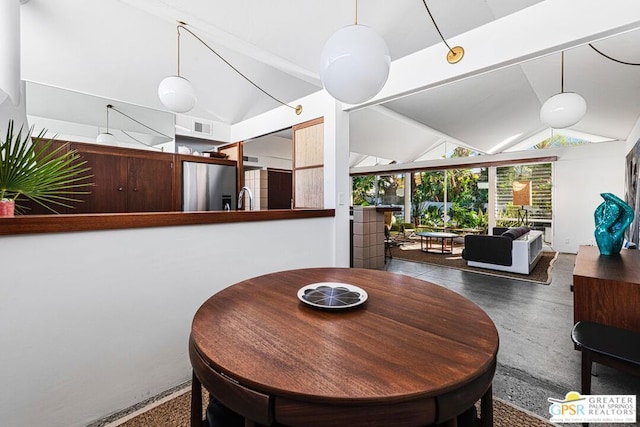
x=622, y=267
x=411, y=339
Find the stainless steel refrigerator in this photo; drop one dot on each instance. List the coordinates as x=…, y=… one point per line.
x=208, y=187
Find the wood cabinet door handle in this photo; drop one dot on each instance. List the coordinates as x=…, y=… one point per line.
x=120, y=188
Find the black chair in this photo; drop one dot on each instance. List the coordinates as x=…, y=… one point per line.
x=611, y=346
x=387, y=243
x=615, y=347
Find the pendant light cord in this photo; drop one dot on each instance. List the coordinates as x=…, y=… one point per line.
x=178, y=30
x=436, y=25
x=182, y=25
x=143, y=143
x=111, y=107
x=108, y=107
x=613, y=59
x=562, y=73
x=356, y=12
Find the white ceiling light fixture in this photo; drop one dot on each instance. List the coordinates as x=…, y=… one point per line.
x=563, y=109
x=106, y=138
x=177, y=93
x=354, y=64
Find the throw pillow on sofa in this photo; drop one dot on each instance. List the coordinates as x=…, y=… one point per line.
x=514, y=233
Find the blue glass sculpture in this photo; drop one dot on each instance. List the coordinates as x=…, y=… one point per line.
x=613, y=216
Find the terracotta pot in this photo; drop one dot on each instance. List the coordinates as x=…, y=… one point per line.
x=7, y=208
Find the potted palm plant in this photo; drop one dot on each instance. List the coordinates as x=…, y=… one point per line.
x=33, y=168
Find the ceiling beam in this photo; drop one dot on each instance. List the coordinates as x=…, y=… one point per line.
x=502, y=159
x=557, y=25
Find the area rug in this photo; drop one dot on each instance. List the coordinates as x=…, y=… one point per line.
x=410, y=251
x=175, y=412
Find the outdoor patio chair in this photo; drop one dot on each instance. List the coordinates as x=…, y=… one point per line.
x=387, y=243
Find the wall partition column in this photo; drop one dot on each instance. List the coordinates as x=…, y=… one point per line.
x=491, y=208
x=408, y=179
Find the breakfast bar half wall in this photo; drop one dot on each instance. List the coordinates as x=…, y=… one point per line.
x=86, y=222
x=97, y=309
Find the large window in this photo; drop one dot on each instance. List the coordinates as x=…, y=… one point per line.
x=379, y=190
x=459, y=198
x=453, y=198
x=539, y=212
x=391, y=190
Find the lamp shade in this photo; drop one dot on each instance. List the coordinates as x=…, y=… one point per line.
x=521, y=193
x=105, y=138
x=354, y=64
x=563, y=110
x=177, y=94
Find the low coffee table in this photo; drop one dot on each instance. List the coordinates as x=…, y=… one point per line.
x=441, y=237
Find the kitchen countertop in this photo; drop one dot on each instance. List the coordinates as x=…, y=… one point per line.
x=32, y=224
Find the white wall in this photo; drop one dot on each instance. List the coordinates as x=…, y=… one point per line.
x=634, y=136
x=580, y=175
x=337, y=186
x=185, y=125
x=336, y=154
x=93, y=322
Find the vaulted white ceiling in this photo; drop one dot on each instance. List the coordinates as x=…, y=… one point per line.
x=504, y=105
x=121, y=49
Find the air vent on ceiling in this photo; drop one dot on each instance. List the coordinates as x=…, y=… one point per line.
x=250, y=159
x=202, y=127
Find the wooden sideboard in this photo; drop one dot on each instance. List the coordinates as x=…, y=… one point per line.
x=606, y=289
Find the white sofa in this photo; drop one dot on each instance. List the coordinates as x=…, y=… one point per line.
x=525, y=254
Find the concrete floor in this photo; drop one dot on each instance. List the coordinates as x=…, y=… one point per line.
x=536, y=359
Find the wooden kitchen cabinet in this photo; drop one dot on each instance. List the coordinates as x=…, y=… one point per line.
x=127, y=180
x=150, y=184
x=108, y=194
x=606, y=289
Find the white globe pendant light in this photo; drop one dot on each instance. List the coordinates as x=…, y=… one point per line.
x=177, y=94
x=563, y=110
x=354, y=64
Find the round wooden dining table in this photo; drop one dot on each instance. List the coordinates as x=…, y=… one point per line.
x=412, y=354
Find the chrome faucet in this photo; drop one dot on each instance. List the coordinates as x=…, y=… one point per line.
x=241, y=198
